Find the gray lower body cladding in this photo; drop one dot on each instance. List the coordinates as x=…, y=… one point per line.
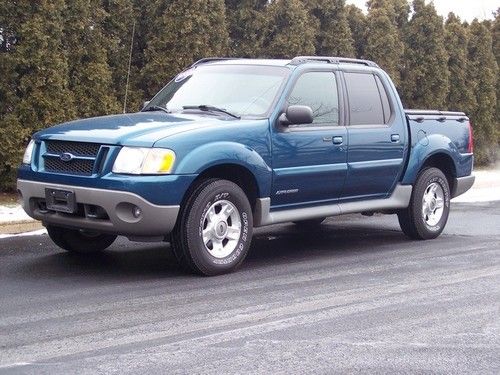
x=400, y=198
x=158, y=221
x=116, y=210
x=461, y=185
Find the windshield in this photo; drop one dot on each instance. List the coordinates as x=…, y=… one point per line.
x=242, y=90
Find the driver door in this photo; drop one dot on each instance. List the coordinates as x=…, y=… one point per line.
x=310, y=160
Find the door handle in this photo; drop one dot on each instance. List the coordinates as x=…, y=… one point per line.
x=337, y=140
x=394, y=138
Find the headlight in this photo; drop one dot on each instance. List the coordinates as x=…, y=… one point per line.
x=136, y=160
x=28, y=153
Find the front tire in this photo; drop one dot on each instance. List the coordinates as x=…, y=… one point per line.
x=427, y=214
x=214, y=230
x=79, y=241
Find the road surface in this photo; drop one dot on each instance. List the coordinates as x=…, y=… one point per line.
x=353, y=295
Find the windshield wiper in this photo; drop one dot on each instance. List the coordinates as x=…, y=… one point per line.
x=210, y=108
x=156, y=108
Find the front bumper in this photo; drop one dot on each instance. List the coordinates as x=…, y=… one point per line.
x=461, y=185
x=115, y=210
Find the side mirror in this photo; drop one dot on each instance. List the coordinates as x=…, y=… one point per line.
x=297, y=114
x=144, y=105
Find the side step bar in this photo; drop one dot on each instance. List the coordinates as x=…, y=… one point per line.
x=400, y=198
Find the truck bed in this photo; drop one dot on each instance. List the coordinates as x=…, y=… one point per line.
x=442, y=131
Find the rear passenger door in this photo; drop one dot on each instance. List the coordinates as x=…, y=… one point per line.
x=376, y=137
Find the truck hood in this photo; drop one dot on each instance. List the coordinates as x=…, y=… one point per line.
x=140, y=129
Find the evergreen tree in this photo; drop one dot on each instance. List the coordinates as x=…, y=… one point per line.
x=495, y=34
x=482, y=75
x=334, y=37
x=12, y=134
x=459, y=96
x=90, y=78
x=63, y=59
x=496, y=51
x=383, y=40
x=401, y=13
x=400, y=10
x=42, y=65
x=37, y=69
x=184, y=33
x=118, y=25
x=8, y=39
x=247, y=21
x=426, y=77
x=290, y=31
x=357, y=24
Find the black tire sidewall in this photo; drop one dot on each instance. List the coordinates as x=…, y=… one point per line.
x=202, y=259
x=427, y=177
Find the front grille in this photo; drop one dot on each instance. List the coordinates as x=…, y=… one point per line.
x=75, y=148
x=84, y=157
x=76, y=166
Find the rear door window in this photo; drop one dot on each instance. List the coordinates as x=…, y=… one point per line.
x=365, y=102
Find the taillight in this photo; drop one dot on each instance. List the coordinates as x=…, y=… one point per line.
x=470, y=146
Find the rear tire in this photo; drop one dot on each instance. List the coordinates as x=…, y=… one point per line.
x=79, y=241
x=214, y=230
x=427, y=213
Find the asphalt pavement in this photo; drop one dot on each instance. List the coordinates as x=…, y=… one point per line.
x=353, y=295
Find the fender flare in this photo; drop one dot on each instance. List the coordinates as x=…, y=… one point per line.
x=425, y=148
x=228, y=153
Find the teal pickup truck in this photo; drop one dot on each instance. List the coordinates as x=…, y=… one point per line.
x=233, y=144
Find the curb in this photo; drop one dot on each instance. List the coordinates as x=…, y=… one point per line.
x=20, y=227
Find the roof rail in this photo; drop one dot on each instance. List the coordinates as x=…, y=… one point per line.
x=211, y=59
x=331, y=60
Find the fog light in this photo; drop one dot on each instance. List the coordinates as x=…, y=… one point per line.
x=137, y=212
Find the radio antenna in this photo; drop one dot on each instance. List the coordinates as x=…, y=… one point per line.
x=129, y=67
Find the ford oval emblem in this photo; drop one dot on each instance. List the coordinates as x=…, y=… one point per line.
x=66, y=156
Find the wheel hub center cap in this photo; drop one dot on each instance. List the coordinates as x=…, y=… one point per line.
x=432, y=204
x=221, y=229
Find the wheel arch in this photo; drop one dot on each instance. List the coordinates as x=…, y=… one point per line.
x=445, y=164
x=230, y=161
x=238, y=174
x=235, y=173
x=433, y=151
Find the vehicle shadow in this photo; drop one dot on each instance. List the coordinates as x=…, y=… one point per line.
x=293, y=242
x=271, y=247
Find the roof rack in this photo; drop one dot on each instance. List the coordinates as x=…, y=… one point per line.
x=211, y=59
x=331, y=60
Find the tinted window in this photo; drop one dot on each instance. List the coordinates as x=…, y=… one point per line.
x=385, y=100
x=318, y=90
x=365, y=104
